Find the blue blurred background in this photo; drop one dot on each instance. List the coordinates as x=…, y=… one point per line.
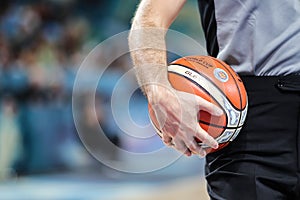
x=42, y=44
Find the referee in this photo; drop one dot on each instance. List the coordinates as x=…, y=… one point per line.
x=260, y=40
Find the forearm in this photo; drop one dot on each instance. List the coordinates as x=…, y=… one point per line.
x=147, y=48
x=147, y=41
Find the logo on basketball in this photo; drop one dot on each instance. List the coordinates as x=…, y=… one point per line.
x=221, y=75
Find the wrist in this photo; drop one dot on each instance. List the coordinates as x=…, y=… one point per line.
x=151, y=91
x=153, y=79
x=157, y=91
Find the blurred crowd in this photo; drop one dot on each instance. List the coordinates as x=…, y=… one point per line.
x=42, y=44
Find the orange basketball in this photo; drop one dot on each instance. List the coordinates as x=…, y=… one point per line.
x=216, y=82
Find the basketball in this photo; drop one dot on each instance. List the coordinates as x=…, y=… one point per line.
x=216, y=82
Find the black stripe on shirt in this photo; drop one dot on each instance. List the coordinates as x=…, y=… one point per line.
x=209, y=24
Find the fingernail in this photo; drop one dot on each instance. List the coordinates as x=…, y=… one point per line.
x=188, y=154
x=215, y=146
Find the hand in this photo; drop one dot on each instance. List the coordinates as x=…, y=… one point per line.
x=176, y=113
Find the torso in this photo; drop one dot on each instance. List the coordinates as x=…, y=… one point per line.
x=259, y=37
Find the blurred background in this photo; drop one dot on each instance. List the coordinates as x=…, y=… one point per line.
x=42, y=45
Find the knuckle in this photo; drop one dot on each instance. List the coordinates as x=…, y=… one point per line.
x=179, y=146
x=166, y=133
x=192, y=146
x=167, y=142
x=166, y=136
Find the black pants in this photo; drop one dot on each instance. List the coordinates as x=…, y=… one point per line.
x=262, y=163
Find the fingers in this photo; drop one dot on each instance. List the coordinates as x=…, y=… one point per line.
x=199, y=103
x=167, y=139
x=188, y=145
x=208, y=107
x=177, y=119
x=195, y=148
x=206, y=138
x=180, y=146
x=183, y=139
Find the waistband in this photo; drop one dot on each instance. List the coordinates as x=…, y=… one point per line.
x=272, y=88
x=290, y=83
